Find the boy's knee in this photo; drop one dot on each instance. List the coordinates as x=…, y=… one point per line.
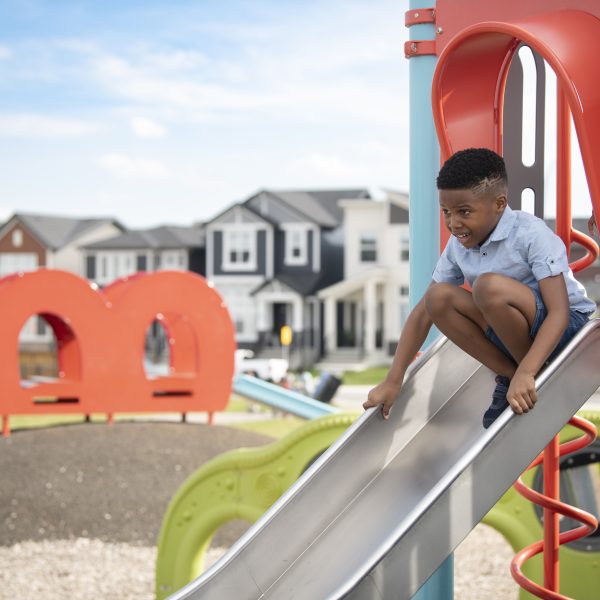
x=488, y=288
x=438, y=297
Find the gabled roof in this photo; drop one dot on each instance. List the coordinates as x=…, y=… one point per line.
x=305, y=284
x=238, y=206
x=165, y=236
x=319, y=206
x=56, y=232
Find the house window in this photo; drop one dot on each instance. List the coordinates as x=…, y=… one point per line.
x=296, y=246
x=404, y=248
x=104, y=268
x=239, y=250
x=17, y=238
x=404, y=290
x=90, y=266
x=368, y=247
x=40, y=326
x=140, y=262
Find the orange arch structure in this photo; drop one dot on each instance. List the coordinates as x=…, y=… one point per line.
x=100, y=344
x=476, y=44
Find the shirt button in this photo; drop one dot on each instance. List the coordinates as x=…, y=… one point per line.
x=484, y=253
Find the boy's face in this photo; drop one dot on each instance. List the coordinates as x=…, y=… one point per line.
x=471, y=217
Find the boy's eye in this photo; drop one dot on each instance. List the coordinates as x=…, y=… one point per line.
x=465, y=211
x=445, y=212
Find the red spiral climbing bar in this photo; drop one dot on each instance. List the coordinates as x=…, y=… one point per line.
x=552, y=508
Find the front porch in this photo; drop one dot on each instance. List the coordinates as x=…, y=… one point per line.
x=278, y=306
x=358, y=332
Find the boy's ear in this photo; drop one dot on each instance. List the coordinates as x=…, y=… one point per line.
x=501, y=201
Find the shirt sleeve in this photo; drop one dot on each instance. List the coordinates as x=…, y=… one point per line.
x=447, y=269
x=547, y=255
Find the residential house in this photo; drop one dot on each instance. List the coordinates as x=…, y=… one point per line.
x=30, y=241
x=269, y=256
x=365, y=312
x=166, y=247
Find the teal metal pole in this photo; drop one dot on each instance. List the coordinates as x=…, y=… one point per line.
x=424, y=223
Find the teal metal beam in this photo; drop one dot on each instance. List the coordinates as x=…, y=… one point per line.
x=424, y=222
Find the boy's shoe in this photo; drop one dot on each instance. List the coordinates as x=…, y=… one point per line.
x=499, y=401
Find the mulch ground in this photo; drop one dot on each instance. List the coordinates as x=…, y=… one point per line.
x=109, y=482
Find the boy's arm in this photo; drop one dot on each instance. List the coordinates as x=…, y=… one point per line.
x=521, y=393
x=413, y=335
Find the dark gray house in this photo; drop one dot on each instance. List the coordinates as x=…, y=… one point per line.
x=268, y=257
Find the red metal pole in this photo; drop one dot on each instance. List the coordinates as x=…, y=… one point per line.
x=563, y=168
x=551, y=517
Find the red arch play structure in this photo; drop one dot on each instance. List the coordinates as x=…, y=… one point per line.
x=100, y=344
x=475, y=43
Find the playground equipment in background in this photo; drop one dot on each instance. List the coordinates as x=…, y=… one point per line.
x=100, y=344
x=281, y=399
x=244, y=483
x=241, y=484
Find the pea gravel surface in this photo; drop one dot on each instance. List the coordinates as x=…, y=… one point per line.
x=81, y=508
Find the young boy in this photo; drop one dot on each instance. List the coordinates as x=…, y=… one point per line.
x=525, y=304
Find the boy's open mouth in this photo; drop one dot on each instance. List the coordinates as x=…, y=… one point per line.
x=463, y=238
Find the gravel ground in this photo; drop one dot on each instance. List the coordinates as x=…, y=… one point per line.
x=81, y=507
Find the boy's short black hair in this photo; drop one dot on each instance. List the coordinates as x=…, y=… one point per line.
x=470, y=168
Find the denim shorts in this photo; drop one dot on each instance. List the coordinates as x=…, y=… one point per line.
x=577, y=320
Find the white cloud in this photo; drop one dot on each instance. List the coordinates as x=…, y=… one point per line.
x=319, y=165
x=124, y=166
x=4, y=52
x=147, y=128
x=45, y=126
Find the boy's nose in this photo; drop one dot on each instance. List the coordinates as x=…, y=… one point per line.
x=455, y=222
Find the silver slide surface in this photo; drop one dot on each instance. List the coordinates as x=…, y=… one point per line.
x=378, y=513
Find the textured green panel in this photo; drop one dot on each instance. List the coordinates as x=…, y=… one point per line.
x=241, y=484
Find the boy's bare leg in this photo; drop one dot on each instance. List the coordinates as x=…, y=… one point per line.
x=456, y=315
x=509, y=307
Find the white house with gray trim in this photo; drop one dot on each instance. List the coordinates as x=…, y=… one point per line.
x=365, y=312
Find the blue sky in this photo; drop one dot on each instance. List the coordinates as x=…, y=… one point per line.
x=156, y=111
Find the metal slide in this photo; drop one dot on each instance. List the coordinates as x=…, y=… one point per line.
x=390, y=500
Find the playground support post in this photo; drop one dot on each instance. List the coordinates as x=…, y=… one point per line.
x=424, y=220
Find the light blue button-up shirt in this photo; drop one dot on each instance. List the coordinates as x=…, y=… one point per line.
x=522, y=247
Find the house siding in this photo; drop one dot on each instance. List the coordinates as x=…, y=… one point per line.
x=280, y=264
x=398, y=215
x=30, y=244
x=332, y=256
x=197, y=261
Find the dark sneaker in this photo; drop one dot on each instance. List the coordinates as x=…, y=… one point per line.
x=499, y=401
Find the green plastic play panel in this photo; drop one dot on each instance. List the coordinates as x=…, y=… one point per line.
x=241, y=484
